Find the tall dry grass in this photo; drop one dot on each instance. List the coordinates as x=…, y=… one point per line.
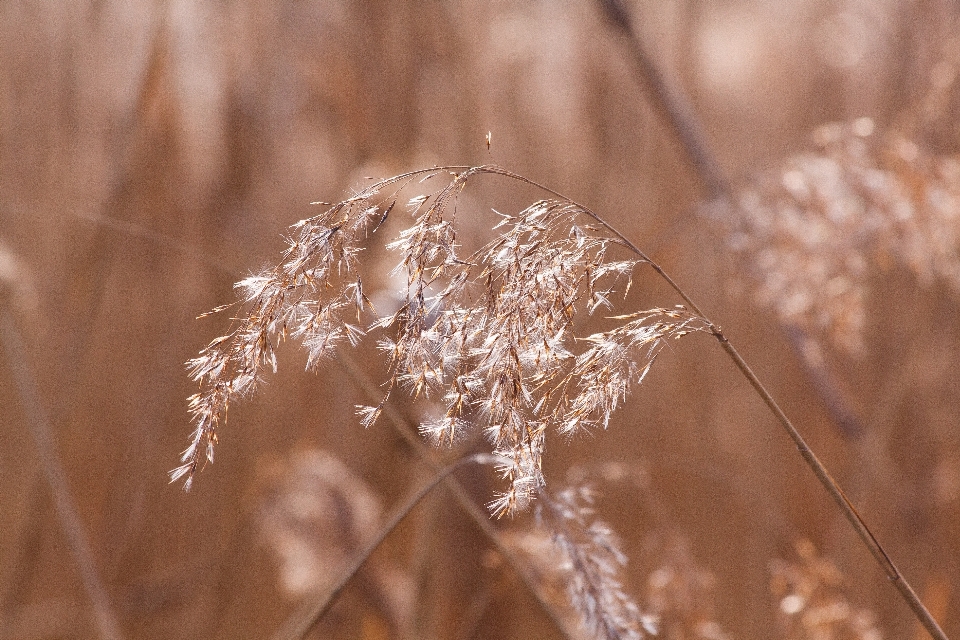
x=151, y=154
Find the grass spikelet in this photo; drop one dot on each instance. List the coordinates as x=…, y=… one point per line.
x=588, y=555
x=489, y=336
x=812, y=231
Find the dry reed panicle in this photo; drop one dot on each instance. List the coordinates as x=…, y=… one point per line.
x=814, y=230
x=490, y=334
x=812, y=603
x=679, y=591
x=587, y=559
x=579, y=562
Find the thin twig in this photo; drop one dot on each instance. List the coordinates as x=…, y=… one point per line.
x=672, y=105
x=405, y=428
x=460, y=175
x=820, y=471
x=675, y=109
x=303, y=621
x=844, y=504
x=64, y=505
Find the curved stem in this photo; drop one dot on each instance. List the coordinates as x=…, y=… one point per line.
x=819, y=470
x=406, y=429
x=676, y=111
x=303, y=621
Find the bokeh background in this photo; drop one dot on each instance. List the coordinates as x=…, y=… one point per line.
x=153, y=153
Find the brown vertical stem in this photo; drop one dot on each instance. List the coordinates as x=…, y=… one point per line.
x=676, y=111
x=64, y=505
x=849, y=512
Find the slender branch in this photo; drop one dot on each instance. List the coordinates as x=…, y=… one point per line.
x=480, y=517
x=461, y=174
x=820, y=471
x=675, y=109
x=672, y=105
x=304, y=620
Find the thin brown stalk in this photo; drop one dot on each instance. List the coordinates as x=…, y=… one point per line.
x=839, y=497
x=65, y=508
x=303, y=621
x=819, y=470
x=406, y=429
x=675, y=110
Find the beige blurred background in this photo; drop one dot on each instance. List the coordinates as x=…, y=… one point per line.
x=152, y=153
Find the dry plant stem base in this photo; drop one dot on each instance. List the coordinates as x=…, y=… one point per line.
x=303, y=621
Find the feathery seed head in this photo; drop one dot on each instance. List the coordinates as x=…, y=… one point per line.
x=489, y=336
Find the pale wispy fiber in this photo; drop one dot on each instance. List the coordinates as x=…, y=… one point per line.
x=813, y=231
x=588, y=560
x=489, y=336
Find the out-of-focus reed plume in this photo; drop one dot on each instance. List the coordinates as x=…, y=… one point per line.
x=316, y=515
x=812, y=603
